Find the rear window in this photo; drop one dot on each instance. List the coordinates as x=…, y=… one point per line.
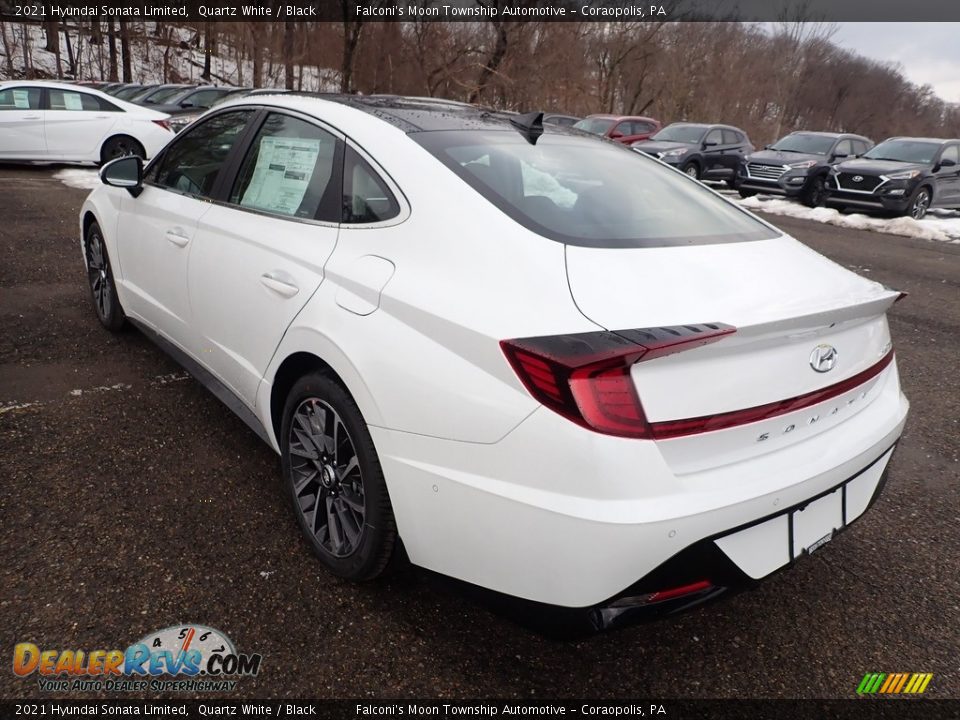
x=597, y=126
x=580, y=192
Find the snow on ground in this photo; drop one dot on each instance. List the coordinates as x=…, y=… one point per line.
x=939, y=225
x=82, y=178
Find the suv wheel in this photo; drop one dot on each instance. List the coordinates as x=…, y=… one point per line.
x=334, y=478
x=815, y=193
x=103, y=289
x=920, y=203
x=746, y=193
x=692, y=170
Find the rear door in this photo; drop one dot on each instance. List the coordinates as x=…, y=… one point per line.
x=156, y=229
x=77, y=123
x=948, y=177
x=732, y=154
x=260, y=250
x=21, y=123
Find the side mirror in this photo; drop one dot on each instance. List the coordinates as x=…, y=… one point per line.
x=947, y=162
x=710, y=143
x=615, y=135
x=838, y=156
x=125, y=172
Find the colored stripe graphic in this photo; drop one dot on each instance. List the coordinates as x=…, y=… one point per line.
x=894, y=683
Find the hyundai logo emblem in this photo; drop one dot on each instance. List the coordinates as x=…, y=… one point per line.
x=823, y=358
x=858, y=178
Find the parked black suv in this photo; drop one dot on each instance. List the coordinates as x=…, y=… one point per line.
x=906, y=176
x=707, y=152
x=798, y=165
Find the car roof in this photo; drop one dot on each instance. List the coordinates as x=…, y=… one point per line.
x=51, y=85
x=619, y=117
x=923, y=139
x=822, y=133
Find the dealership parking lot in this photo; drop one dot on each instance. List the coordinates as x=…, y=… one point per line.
x=133, y=500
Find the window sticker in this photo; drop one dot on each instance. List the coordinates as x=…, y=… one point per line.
x=21, y=99
x=283, y=172
x=72, y=101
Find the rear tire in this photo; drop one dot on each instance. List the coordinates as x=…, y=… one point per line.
x=121, y=146
x=103, y=288
x=335, y=481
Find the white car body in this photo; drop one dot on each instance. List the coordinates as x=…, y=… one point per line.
x=487, y=484
x=78, y=133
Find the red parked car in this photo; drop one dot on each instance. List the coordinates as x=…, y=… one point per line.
x=624, y=129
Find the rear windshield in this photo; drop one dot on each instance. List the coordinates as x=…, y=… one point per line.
x=904, y=151
x=597, y=126
x=681, y=133
x=582, y=192
x=806, y=144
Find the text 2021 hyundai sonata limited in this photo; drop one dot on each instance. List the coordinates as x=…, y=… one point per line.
x=548, y=366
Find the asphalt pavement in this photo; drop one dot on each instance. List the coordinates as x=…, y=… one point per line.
x=132, y=500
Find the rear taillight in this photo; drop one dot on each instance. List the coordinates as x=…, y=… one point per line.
x=586, y=377
x=165, y=124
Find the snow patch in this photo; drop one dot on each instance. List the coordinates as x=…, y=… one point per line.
x=943, y=227
x=78, y=178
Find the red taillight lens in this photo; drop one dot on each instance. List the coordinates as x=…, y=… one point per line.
x=165, y=124
x=586, y=377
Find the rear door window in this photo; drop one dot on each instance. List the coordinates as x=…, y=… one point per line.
x=714, y=137
x=70, y=100
x=291, y=169
x=730, y=138
x=20, y=99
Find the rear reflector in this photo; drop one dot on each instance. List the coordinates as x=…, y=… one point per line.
x=586, y=377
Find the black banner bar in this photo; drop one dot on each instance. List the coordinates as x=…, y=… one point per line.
x=901, y=708
x=483, y=10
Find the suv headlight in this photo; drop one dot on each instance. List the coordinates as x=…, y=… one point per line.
x=803, y=165
x=905, y=175
x=673, y=153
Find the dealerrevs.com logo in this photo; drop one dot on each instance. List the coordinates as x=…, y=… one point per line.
x=201, y=659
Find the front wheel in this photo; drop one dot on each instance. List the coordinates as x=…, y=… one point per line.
x=335, y=481
x=103, y=288
x=815, y=193
x=746, y=193
x=692, y=170
x=919, y=204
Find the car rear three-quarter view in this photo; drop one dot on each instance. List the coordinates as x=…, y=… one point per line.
x=546, y=365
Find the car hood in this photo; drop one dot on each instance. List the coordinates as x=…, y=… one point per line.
x=778, y=157
x=866, y=166
x=652, y=146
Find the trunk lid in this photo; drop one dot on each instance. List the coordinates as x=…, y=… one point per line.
x=784, y=299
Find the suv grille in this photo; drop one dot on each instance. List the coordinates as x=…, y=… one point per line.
x=866, y=183
x=765, y=172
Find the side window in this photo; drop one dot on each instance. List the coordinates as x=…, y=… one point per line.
x=951, y=153
x=192, y=162
x=640, y=127
x=20, y=99
x=624, y=128
x=860, y=147
x=70, y=100
x=730, y=138
x=843, y=148
x=714, y=137
x=366, y=197
x=290, y=170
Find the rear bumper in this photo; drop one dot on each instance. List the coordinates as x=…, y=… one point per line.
x=559, y=515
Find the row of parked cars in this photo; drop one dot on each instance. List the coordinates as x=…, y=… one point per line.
x=901, y=175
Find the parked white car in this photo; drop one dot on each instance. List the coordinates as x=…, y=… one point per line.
x=59, y=122
x=549, y=366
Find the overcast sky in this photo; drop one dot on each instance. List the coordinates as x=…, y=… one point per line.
x=928, y=52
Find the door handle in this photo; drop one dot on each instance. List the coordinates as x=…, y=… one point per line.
x=280, y=283
x=176, y=236
x=103, y=117
x=31, y=117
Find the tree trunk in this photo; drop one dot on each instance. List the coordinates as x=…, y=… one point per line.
x=125, y=48
x=96, y=37
x=70, y=56
x=288, y=54
x=6, y=49
x=52, y=30
x=207, y=52
x=25, y=45
x=492, y=65
x=112, y=44
x=256, y=37
x=351, y=38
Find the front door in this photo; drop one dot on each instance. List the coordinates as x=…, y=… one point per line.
x=21, y=124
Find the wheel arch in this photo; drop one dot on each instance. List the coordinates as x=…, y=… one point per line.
x=298, y=363
x=113, y=136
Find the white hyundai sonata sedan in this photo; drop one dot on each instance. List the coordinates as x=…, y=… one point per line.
x=544, y=364
x=59, y=122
